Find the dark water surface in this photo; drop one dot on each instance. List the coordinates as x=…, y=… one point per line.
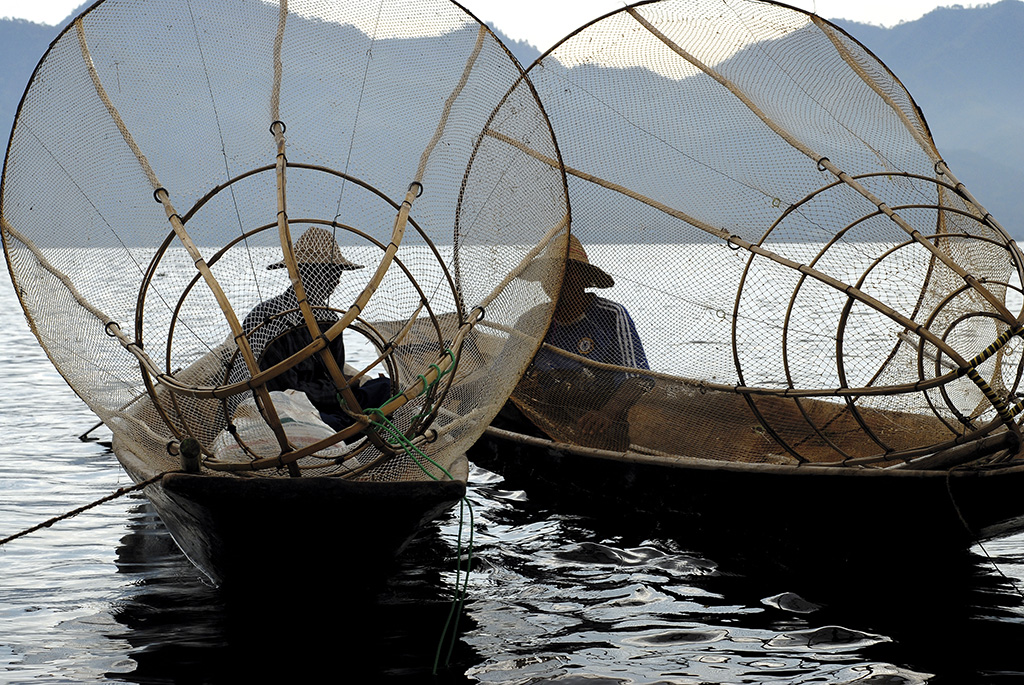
x=552, y=596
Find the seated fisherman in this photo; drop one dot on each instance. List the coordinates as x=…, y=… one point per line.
x=277, y=330
x=600, y=331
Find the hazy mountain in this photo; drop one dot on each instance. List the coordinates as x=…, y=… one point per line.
x=23, y=43
x=961, y=66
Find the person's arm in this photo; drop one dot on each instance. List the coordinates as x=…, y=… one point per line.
x=309, y=376
x=598, y=421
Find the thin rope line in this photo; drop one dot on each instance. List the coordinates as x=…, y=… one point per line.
x=359, y=107
x=973, y=536
x=224, y=152
x=455, y=611
x=120, y=492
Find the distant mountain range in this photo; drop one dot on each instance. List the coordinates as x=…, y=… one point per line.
x=960, y=65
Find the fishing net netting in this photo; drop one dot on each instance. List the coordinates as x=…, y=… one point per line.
x=807, y=279
x=177, y=166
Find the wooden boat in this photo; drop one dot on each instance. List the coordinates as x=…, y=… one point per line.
x=831, y=320
x=307, y=525
x=776, y=511
x=141, y=305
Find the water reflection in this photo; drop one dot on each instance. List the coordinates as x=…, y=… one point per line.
x=553, y=597
x=298, y=629
x=614, y=599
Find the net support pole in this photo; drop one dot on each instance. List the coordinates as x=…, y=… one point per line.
x=824, y=163
x=309, y=318
x=163, y=197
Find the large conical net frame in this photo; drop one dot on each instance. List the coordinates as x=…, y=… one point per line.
x=164, y=156
x=810, y=282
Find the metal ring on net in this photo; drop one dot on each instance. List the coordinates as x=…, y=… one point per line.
x=804, y=322
x=208, y=266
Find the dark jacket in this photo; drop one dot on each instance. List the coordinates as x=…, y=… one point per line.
x=283, y=334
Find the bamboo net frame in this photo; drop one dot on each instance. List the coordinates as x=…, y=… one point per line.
x=196, y=87
x=688, y=128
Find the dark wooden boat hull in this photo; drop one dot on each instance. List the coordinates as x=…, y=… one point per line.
x=265, y=532
x=844, y=513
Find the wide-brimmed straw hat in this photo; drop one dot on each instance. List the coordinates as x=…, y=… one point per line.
x=594, y=276
x=317, y=246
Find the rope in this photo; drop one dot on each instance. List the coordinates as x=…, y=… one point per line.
x=75, y=512
x=460, y=593
x=401, y=441
x=974, y=537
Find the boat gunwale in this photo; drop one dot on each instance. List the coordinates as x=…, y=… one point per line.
x=685, y=462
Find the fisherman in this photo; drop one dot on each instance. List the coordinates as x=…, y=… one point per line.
x=600, y=331
x=276, y=330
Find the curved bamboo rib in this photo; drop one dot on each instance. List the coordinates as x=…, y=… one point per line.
x=925, y=142
x=820, y=160
x=275, y=93
x=163, y=197
x=527, y=259
x=452, y=97
x=114, y=114
x=108, y=323
x=552, y=162
x=941, y=167
x=284, y=234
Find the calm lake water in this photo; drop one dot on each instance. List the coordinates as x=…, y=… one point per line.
x=552, y=597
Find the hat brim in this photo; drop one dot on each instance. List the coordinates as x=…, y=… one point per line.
x=593, y=276
x=341, y=267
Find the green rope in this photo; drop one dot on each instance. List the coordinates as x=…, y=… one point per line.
x=460, y=593
x=400, y=440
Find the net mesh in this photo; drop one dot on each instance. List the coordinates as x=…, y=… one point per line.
x=805, y=279
x=168, y=163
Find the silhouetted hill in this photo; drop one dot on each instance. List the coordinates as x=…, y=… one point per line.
x=22, y=43
x=961, y=66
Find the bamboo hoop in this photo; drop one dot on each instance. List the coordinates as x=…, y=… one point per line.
x=822, y=161
x=163, y=197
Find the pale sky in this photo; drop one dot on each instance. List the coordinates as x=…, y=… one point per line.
x=543, y=22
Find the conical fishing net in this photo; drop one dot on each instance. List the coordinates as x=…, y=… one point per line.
x=807, y=280
x=277, y=228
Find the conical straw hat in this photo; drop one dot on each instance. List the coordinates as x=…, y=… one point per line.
x=317, y=246
x=594, y=276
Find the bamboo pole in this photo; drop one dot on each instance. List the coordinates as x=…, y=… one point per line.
x=163, y=197
x=555, y=231
x=450, y=101
x=822, y=161
x=926, y=143
x=312, y=325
